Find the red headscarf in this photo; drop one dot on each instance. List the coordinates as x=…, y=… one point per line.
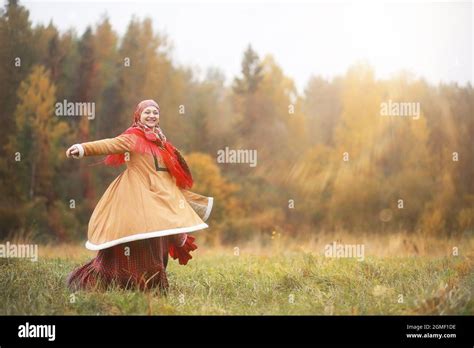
x=152, y=141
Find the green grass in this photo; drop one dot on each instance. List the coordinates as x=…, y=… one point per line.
x=221, y=283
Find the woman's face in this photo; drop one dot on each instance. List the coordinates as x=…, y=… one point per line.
x=150, y=116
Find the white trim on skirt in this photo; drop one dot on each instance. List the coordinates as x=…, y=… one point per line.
x=145, y=235
x=210, y=203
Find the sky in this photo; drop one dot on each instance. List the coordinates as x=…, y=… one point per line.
x=433, y=40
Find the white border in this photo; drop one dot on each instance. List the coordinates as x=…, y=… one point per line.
x=208, y=209
x=145, y=235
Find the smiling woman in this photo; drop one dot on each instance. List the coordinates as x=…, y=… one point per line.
x=145, y=213
x=150, y=116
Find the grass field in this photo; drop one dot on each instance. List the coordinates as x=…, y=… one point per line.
x=397, y=276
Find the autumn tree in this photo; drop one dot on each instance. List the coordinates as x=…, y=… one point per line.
x=37, y=147
x=16, y=57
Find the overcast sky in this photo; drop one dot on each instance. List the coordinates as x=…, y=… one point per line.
x=431, y=39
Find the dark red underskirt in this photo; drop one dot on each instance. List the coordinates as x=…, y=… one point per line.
x=139, y=264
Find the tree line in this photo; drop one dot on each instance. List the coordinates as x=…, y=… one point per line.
x=328, y=158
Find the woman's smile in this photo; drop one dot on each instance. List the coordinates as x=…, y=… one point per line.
x=150, y=116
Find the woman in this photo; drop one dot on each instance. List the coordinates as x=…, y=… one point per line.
x=145, y=213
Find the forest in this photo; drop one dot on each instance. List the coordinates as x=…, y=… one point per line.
x=353, y=153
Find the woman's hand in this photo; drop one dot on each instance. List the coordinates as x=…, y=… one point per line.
x=73, y=151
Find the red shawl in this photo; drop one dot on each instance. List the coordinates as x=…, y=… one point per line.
x=154, y=142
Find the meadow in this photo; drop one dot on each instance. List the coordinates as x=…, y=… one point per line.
x=400, y=274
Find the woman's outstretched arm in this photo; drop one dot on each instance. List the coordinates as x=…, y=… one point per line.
x=120, y=144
